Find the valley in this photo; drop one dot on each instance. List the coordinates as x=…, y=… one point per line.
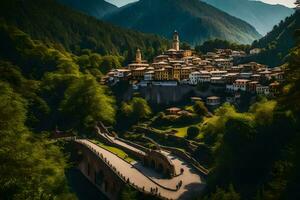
x=157, y=99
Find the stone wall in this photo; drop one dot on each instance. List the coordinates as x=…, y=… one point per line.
x=168, y=94
x=100, y=173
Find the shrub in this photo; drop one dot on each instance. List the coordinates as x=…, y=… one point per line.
x=200, y=108
x=192, y=132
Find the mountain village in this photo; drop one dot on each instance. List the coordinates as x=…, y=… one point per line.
x=184, y=67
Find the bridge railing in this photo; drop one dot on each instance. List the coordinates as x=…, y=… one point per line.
x=119, y=174
x=184, y=156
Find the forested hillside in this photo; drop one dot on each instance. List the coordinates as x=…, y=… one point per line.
x=195, y=21
x=95, y=8
x=42, y=88
x=50, y=22
x=256, y=153
x=261, y=15
x=277, y=44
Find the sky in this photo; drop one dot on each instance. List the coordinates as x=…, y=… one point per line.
x=289, y=3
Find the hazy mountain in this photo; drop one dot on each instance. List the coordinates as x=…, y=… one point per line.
x=96, y=8
x=260, y=15
x=196, y=21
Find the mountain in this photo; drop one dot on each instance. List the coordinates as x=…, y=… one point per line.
x=260, y=15
x=194, y=20
x=276, y=44
x=52, y=22
x=96, y=8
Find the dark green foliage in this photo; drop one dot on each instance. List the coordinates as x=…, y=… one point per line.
x=129, y=193
x=96, y=8
x=200, y=109
x=258, y=151
x=221, y=194
x=192, y=132
x=85, y=103
x=49, y=77
x=194, y=20
x=212, y=45
x=135, y=110
x=169, y=120
x=260, y=15
x=73, y=31
x=276, y=44
x=31, y=167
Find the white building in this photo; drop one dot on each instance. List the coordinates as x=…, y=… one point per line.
x=223, y=63
x=255, y=51
x=194, y=78
x=218, y=73
x=213, y=101
x=240, y=84
x=149, y=76
x=217, y=80
x=262, y=90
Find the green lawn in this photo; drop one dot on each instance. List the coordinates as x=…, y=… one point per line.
x=122, y=154
x=181, y=131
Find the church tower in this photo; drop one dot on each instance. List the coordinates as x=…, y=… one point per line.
x=176, y=41
x=138, y=56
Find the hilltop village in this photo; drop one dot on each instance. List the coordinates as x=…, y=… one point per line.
x=184, y=67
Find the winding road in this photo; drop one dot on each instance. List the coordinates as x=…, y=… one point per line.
x=192, y=183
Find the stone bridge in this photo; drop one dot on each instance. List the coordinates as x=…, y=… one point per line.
x=147, y=174
x=151, y=158
x=110, y=174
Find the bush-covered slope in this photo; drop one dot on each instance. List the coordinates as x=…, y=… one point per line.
x=194, y=20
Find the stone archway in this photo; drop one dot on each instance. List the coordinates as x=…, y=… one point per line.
x=88, y=169
x=106, y=185
x=99, y=176
x=160, y=168
x=152, y=165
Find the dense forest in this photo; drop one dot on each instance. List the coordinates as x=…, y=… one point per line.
x=43, y=88
x=50, y=78
x=277, y=43
x=74, y=31
x=256, y=153
x=212, y=45
x=95, y=8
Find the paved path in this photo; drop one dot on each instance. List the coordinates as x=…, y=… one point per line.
x=191, y=182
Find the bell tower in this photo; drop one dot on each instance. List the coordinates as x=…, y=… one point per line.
x=138, y=56
x=176, y=41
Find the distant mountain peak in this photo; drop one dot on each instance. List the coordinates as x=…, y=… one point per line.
x=261, y=15
x=195, y=20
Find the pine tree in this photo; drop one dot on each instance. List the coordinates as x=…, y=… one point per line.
x=297, y=3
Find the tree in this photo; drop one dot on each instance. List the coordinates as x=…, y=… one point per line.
x=31, y=167
x=137, y=109
x=128, y=193
x=200, y=108
x=192, y=132
x=297, y=3
x=221, y=194
x=85, y=103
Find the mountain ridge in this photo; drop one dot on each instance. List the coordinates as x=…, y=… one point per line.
x=76, y=31
x=261, y=15
x=95, y=8
x=195, y=21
